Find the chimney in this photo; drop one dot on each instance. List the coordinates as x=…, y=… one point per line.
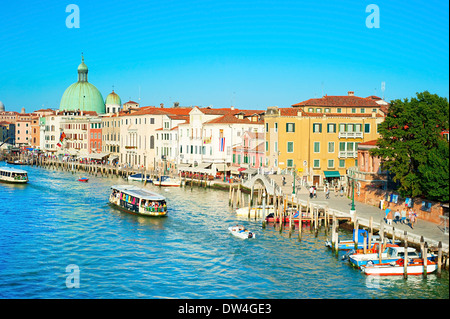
x=162, y=105
x=232, y=108
x=351, y=93
x=176, y=104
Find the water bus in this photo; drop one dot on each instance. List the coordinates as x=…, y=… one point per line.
x=138, y=201
x=13, y=175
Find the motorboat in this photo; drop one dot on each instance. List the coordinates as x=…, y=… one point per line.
x=396, y=268
x=140, y=177
x=167, y=181
x=390, y=254
x=241, y=232
x=83, y=179
x=254, y=211
x=138, y=200
x=13, y=175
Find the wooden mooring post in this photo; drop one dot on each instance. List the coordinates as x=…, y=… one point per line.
x=439, y=261
x=405, y=258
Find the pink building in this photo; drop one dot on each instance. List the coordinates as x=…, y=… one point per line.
x=250, y=153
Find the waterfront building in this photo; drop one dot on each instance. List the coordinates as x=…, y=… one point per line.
x=110, y=124
x=318, y=138
x=82, y=95
x=75, y=125
x=207, y=139
x=95, y=135
x=49, y=126
x=138, y=132
x=250, y=153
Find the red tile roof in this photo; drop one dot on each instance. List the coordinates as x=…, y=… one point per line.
x=341, y=101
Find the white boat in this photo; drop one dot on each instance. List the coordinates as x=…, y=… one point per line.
x=139, y=177
x=390, y=254
x=13, y=175
x=396, y=268
x=167, y=181
x=241, y=232
x=258, y=210
x=138, y=201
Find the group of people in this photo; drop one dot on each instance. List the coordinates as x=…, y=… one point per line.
x=154, y=206
x=401, y=216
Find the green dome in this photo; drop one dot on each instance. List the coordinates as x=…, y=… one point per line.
x=113, y=99
x=82, y=95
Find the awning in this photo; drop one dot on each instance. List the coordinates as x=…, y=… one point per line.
x=331, y=174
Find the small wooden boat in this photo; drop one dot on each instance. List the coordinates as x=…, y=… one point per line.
x=13, y=175
x=396, y=268
x=17, y=162
x=138, y=201
x=83, y=179
x=167, y=181
x=241, y=232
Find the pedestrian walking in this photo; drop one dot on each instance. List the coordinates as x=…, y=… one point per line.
x=396, y=216
x=327, y=193
x=389, y=217
x=412, y=219
x=386, y=212
x=403, y=214
x=315, y=192
x=311, y=192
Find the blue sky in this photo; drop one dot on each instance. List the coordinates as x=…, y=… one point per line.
x=252, y=54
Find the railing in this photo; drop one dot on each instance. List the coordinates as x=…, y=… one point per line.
x=348, y=154
x=350, y=135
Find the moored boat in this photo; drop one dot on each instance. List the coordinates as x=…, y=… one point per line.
x=167, y=181
x=258, y=211
x=83, y=179
x=241, y=232
x=390, y=254
x=13, y=175
x=140, y=177
x=138, y=201
x=396, y=268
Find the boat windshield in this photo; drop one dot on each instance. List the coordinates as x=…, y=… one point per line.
x=391, y=252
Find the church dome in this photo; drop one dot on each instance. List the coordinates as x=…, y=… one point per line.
x=113, y=99
x=82, y=95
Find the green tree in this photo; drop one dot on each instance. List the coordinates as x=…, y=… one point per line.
x=412, y=147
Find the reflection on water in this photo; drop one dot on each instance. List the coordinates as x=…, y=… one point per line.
x=56, y=221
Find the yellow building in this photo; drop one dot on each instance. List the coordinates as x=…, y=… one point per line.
x=319, y=137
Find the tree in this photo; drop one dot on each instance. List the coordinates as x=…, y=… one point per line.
x=412, y=147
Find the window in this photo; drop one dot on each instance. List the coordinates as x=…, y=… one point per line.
x=290, y=147
x=339, y=110
x=316, y=147
x=311, y=110
x=276, y=127
x=317, y=128
x=330, y=147
x=342, y=127
x=341, y=163
x=327, y=110
x=331, y=128
x=353, y=110
x=290, y=163
x=290, y=127
x=267, y=146
x=267, y=127
x=367, y=128
x=276, y=146
x=318, y=110
x=330, y=163
x=316, y=163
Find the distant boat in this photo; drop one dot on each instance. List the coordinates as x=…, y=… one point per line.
x=167, y=181
x=241, y=232
x=17, y=162
x=13, y=175
x=140, y=177
x=258, y=210
x=138, y=200
x=83, y=179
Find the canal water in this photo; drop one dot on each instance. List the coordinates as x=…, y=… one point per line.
x=55, y=226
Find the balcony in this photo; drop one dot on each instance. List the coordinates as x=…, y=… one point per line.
x=348, y=154
x=350, y=134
